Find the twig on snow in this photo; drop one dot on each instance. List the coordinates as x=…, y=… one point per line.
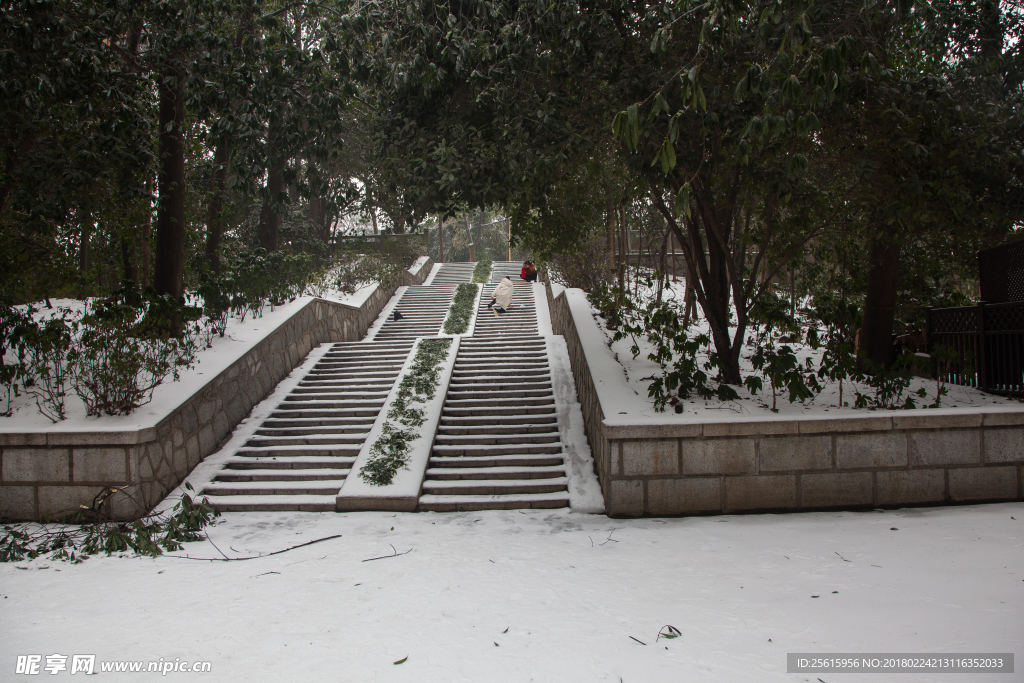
x=609, y=537
x=254, y=557
x=638, y=640
x=394, y=553
x=841, y=557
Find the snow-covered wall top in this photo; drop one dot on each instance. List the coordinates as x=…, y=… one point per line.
x=623, y=406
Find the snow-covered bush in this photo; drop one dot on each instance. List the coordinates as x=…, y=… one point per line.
x=675, y=349
x=127, y=348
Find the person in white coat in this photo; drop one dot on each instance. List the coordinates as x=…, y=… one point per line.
x=501, y=297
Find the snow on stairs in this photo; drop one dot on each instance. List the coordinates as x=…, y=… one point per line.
x=498, y=444
x=423, y=309
x=452, y=274
x=299, y=457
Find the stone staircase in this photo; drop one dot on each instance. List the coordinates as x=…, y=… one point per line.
x=452, y=274
x=498, y=444
x=299, y=457
x=423, y=309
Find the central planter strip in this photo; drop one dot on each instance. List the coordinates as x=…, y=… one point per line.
x=388, y=472
x=463, y=308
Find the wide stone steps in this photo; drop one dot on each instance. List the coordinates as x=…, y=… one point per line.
x=300, y=455
x=451, y=274
x=498, y=444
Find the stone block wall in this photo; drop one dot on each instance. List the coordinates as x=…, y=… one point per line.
x=50, y=474
x=895, y=459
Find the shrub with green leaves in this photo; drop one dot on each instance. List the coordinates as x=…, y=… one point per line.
x=482, y=271
x=126, y=348
x=78, y=538
x=676, y=351
x=463, y=303
x=773, y=356
x=390, y=452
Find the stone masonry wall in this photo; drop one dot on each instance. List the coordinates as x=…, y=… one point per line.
x=874, y=460
x=48, y=475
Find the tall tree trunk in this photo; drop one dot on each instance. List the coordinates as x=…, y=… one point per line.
x=270, y=219
x=440, y=239
x=706, y=272
x=623, y=251
x=83, y=252
x=215, y=220
x=373, y=221
x=128, y=263
x=880, y=302
x=147, y=231
x=169, y=275
x=609, y=227
x=318, y=217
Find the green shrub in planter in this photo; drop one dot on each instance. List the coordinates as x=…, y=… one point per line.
x=126, y=350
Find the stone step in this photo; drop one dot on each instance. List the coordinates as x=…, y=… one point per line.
x=329, y=394
x=326, y=404
x=510, y=421
x=497, y=392
x=263, y=440
x=315, y=431
x=354, y=412
x=447, y=439
x=490, y=487
x=308, y=474
x=288, y=451
x=496, y=411
x=501, y=375
x=324, y=487
x=291, y=421
x=450, y=473
x=483, y=450
x=453, y=503
x=495, y=427
x=517, y=460
x=301, y=503
x=503, y=402
x=302, y=462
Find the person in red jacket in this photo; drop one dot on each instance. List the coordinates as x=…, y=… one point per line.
x=529, y=272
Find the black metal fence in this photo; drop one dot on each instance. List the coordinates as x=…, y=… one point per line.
x=987, y=341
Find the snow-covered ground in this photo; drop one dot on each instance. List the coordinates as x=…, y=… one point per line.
x=537, y=596
x=639, y=371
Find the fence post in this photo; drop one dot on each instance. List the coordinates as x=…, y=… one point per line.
x=982, y=373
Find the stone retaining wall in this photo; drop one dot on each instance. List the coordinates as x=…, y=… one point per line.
x=50, y=474
x=875, y=460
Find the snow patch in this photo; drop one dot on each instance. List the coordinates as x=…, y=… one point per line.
x=584, y=489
